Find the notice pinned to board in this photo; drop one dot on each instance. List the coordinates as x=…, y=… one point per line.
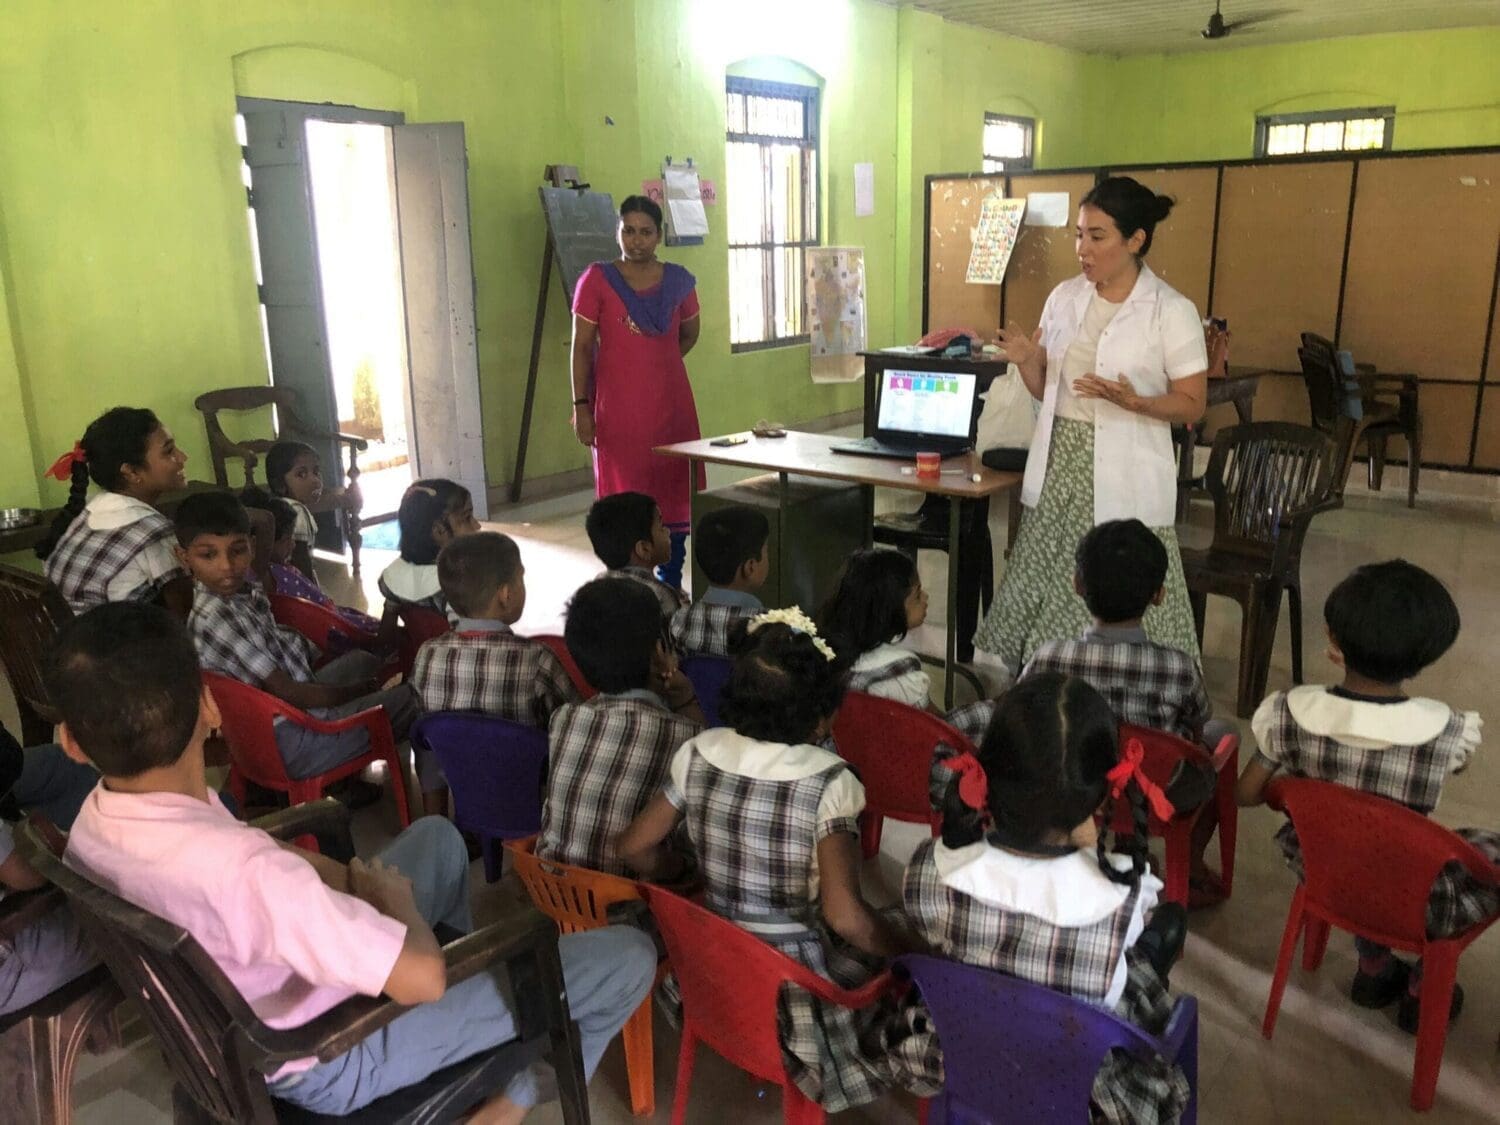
x=1047, y=208
x=685, y=215
x=864, y=190
x=994, y=239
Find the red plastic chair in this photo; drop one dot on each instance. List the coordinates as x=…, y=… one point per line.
x=890, y=745
x=559, y=649
x=1370, y=864
x=1163, y=752
x=249, y=715
x=418, y=626
x=730, y=980
x=323, y=628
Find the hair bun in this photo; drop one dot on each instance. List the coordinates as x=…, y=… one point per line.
x=1164, y=205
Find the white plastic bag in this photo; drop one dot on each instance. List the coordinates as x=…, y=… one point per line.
x=1009, y=414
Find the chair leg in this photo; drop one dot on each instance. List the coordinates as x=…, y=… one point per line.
x=1314, y=944
x=1245, y=700
x=1199, y=601
x=1294, y=620
x=686, y=1055
x=1413, y=462
x=1179, y=841
x=798, y=1108
x=1439, y=969
x=397, y=773
x=1264, y=608
x=1375, y=467
x=1283, y=962
x=494, y=860
x=1229, y=822
x=640, y=1060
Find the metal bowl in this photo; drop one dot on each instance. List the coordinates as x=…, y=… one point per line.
x=12, y=518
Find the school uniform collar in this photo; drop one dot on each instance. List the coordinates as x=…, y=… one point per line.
x=738, y=599
x=1364, y=724
x=109, y=511
x=732, y=752
x=481, y=625
x=409, y=581
x=1067, y=891
x=1116, y=634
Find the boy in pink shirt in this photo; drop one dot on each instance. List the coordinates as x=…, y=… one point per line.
x=296, y=932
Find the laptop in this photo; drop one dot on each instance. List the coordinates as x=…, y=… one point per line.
x=920, y=412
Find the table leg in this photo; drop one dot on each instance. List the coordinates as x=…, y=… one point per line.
x=1244, y=403
x=950, y=644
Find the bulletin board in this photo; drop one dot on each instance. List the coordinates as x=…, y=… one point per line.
x=952, y=213
x=1044, y=255
x=1182, y=247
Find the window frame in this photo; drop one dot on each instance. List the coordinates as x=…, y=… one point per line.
x=1009, y=163
x=1265, y=122
x=811, y=98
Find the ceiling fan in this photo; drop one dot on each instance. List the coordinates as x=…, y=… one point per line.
x=1219, y=29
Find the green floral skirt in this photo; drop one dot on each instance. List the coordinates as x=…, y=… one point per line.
x=1036, y=601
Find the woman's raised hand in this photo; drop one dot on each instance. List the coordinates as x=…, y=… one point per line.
x=1019, y=348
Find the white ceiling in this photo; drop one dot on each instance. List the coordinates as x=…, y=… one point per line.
x=1130, y=27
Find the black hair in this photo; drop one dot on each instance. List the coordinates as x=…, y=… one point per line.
x=471, y=569
x=868, y=606
x=124, y=677
x=781, y=686
x=640, y=205
x=1121, y=565
x=1048, y=749
x=116, y=438
x=279, y=461
x=1391, y=620
x=1132, y=205
x=210, y=513
x=283, y=515
x=617, y=523
x=611, y=630
x=727, y=538
x=425, y=503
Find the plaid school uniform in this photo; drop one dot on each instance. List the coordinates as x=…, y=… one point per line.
x=756, y=841
x=670, y=600
x=1351, y=752
x=606, y=759
x=891, y=672
x=483, y=666
x=238, y=637
x=85, y=562
x=1148, y=684
x=702, y=629
x=972, y=720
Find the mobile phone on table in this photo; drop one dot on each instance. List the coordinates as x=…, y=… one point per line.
x=730, y=439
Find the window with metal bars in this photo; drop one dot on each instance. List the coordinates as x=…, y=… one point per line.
x=1007, y=141
x=1343, y=130
x=771, y=170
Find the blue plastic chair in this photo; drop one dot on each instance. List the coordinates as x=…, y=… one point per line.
x=496, y=770
x=708, y=675
x=1017, y=1051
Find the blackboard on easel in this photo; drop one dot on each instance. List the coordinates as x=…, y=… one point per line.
x=581, y=227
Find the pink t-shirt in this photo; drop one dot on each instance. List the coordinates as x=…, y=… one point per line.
x=293, y=947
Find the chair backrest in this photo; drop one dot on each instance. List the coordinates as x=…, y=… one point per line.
x=1008, y=1042
x=31, y=612
x=221, y=446
x=573, y=897
x=890, y=745
x=1325, y=387
x=559, y=649
x=201, y=1021
x=1368, y=860
x=418, y=626
x=708, y=675
x=248, y=717
x=1262, y=477
x=495, y=770
x=317, y=623
x=1163, y=751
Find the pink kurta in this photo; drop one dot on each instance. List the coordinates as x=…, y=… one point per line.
x=641, y=399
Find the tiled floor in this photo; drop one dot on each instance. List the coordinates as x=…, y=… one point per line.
x=1330, y=1062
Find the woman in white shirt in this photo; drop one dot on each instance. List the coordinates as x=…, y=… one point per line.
x=1117, y=360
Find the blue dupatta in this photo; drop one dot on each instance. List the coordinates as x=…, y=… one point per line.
x=652, y=311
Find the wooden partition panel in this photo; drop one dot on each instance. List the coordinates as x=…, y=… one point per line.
x=1182, y=248
x=953, y=213
x=1044, y=256
x=1487, y=448
x=1280, y=253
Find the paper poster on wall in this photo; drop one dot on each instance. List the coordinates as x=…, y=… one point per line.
x=684, y=201
x=864, y=190
x=836, y=312
x=1047, y=209
x=707, y=192
x=994, y=239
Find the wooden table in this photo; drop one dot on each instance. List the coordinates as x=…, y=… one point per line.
x=811, y=455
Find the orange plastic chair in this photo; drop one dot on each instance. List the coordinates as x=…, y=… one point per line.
x=1370, y=864
x=730, y=980
x=560, y=649
x=890, y=745
x=249, y=716
x=1163, y=751
x=579, y=899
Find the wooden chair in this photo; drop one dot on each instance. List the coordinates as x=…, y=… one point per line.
x=217, y=1048
x=1381, y=418
x=345, y=503
x=1267, y=480
x=31, y=612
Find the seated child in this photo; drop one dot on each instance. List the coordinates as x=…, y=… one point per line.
x=482, y=665
x=118, y=547
x=878, y=600
x=1386, y=622
x=294, y=472
x=1021, y=882
x=730, y=546
x=608, y=757
x=628, y=536
x=774, y=821
x=236, y=636
x=433, y=513
x=296, y=932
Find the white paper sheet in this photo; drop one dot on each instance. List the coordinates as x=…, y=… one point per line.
x=1047, y=209
x=864, y=190
x=836, y=312
x=685, y=202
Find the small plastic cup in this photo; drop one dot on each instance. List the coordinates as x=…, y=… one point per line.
x=929, y=464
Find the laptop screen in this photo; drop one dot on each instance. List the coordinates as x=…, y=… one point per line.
x=935, y=403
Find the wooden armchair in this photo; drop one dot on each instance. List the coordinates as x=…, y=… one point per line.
x=31, y=612
x=345, y=502
x=1267, y=480
x=218, y=1049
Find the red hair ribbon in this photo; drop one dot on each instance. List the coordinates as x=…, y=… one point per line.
x=973, y=783
x=62, y=468
x=1130, y=768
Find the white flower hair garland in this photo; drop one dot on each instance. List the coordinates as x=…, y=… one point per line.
x=798, y=622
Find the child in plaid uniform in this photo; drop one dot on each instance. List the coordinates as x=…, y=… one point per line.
x=627, y=533
x=236, y=636
x=482, y=665
x=118, y=547
x=729, y=545
x=1021, y=882
x=878, y=600
x=609, y=755
x=433, y=513
x=773, y=819
x=1386, y=622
